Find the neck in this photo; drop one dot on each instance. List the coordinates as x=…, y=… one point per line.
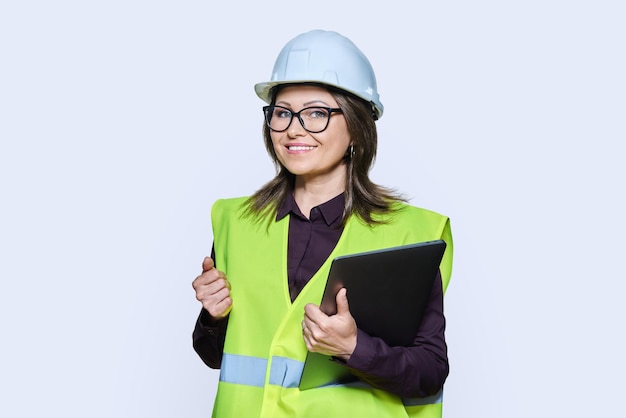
x=310, y=194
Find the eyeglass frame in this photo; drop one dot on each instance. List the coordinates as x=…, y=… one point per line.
x=330, y=111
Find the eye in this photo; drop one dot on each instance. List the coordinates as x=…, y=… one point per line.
x=280, y=112
x=316, y=113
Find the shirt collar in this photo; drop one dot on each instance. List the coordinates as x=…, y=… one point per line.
x=331, y=210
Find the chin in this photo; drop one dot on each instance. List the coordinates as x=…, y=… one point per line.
x=298, y=170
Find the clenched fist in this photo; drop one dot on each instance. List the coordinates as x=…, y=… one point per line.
x=213, y=290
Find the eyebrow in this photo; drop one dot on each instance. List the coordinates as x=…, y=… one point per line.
x=304, y=104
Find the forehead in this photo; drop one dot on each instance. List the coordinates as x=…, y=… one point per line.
x=305, y=94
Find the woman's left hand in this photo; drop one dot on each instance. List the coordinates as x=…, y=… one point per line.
x=333, y=335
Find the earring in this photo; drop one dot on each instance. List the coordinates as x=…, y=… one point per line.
x=349, y=153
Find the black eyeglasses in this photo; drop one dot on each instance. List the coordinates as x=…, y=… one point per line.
x=313, y=119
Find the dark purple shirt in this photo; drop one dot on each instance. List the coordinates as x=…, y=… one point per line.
x=416, y=371
x=310, y=240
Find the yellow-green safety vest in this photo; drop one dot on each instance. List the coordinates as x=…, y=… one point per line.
x=264, y=351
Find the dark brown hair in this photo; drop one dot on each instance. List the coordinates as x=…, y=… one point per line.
x=362, y=197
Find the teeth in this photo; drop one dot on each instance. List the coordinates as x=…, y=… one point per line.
x=300, y=148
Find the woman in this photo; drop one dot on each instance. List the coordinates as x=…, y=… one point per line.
x=276, y=246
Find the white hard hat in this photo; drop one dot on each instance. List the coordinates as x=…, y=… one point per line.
x=328, y=58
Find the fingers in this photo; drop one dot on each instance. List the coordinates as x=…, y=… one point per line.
x=219, y=309
x=207, y=264
x=342, y=302
x=318, y=337
x=314, y=324
x=210, y=275
x=308, y=338
x=332, y=335
x=215, y=298
x=213, y=290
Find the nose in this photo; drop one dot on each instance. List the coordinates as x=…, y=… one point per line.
x=296, y=128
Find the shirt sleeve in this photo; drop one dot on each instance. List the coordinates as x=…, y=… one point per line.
x=208, y=339
x=416, y=371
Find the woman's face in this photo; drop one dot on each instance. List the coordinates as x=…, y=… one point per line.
x=311, y=156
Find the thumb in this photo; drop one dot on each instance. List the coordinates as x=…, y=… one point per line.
x=207, y=264
x=342, y=302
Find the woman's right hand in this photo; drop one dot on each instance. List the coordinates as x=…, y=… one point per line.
x=213, y=290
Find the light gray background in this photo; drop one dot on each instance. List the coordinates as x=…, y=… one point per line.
x=122, y=121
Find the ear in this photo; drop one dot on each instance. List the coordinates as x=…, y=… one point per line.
x=349, y=153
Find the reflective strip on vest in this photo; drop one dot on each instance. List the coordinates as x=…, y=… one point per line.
x=250, y=371
x=286, y=372
x=243, y=370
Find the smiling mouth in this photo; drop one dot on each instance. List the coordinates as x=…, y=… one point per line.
x=300, y=148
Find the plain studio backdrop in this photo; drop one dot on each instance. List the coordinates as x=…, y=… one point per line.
x=122, y=121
